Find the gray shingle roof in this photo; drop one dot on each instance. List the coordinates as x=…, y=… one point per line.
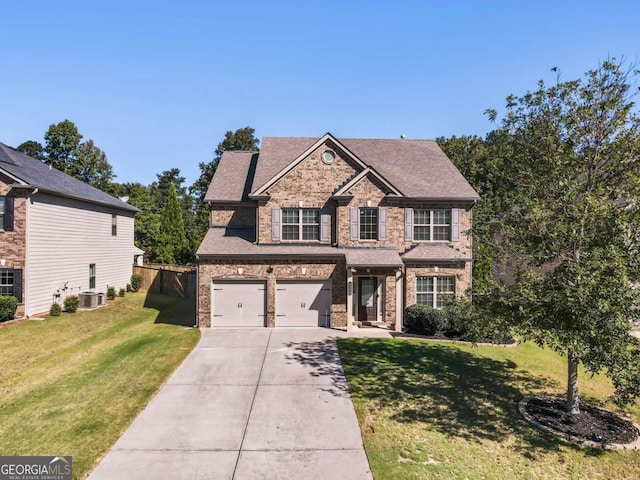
x=372, y=257
x=434, y=252
x=418, y=168
x=233, y=178
x=221, y=241
x=36, y=174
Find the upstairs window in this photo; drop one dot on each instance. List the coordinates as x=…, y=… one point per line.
x=368, y=224
x=114, y=224
x=433, y=291
x=431, y=224
x=300, y=224
x=6, y=213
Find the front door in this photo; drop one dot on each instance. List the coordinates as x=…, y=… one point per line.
x=368, y=299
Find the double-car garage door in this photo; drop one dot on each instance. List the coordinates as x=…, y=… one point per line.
x=298, y=303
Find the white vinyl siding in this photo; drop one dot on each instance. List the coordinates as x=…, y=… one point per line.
x=64, y=237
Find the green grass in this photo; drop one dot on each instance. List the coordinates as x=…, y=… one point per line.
x=71, y=385
x=448, y=411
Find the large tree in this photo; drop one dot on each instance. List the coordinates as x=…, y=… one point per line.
x=91, y=166
x=61, y=141
x=241, y=139
x=64, y=151
x=172, y=240
x=570, y=242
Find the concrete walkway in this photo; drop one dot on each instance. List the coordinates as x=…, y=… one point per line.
x=247, y=404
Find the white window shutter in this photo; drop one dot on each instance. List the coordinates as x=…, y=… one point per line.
x=408, y=224
x=324, y=227
x=455, y=225
x=382, y=223
x=276, y=215
x=355, y=223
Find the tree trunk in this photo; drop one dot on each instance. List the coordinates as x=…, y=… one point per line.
x=573, y=407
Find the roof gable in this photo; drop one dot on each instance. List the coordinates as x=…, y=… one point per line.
x=367, y=172
x=33, y=173
x=326, y=138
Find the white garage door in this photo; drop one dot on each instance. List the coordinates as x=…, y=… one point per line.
x=303, y=304
x=238, y=304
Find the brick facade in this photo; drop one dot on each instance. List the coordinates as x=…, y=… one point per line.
x=312, y=184
x=272, y=271
x=13, y=244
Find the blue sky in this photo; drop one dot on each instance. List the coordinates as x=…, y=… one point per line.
x=156, y=84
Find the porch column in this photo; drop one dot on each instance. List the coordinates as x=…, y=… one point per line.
x=399, y=309
x=350, y=320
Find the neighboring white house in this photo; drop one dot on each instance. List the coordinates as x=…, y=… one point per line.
x=58, y=235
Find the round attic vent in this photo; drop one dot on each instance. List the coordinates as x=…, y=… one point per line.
x=328, y=157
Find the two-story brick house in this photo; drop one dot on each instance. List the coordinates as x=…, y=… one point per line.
x=332, y=232
x=58, y=235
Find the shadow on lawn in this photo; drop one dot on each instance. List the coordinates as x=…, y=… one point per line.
x=449, y=390
x=171, y=310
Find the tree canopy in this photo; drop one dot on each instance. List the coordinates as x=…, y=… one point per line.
x=64, y=151
x=567, y=237
x=241, y=139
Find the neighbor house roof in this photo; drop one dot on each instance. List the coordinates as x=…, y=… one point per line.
x=433, y=252
x=33, y=173
x=417, y=168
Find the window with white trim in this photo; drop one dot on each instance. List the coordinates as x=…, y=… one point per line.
x=300, y=224
x=6, y=281
x=432, y=291
x=368, y=224
x=431, y=224
x=114, y=224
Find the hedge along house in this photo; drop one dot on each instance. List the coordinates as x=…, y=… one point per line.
x=333, y=232
x=58, y=235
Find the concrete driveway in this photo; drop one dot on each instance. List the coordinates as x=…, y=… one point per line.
x=247, y=404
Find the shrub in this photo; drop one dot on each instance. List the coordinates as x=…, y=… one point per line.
x=111, y=293
x=423, y=320
x=460, y=320
x=121, y=292
x=8, y=307
x=55, y=310
x=71, y=303
x=136, y=282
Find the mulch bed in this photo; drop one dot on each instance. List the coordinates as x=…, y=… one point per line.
x=508, y=342
x=594, y=426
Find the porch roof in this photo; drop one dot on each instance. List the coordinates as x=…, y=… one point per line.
x=240, y=242
x=372, y=257
x=434, y=252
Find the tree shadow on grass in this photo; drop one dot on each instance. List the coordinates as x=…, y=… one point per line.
x=171, y=310
x=442, y=387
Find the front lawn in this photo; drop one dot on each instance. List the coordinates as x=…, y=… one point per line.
x=71, y=385
x=448, y=411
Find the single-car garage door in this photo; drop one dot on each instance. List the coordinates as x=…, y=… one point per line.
x=303, y=303
x=238, y=304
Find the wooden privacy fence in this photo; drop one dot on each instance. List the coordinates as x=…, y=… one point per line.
x=171, y=280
